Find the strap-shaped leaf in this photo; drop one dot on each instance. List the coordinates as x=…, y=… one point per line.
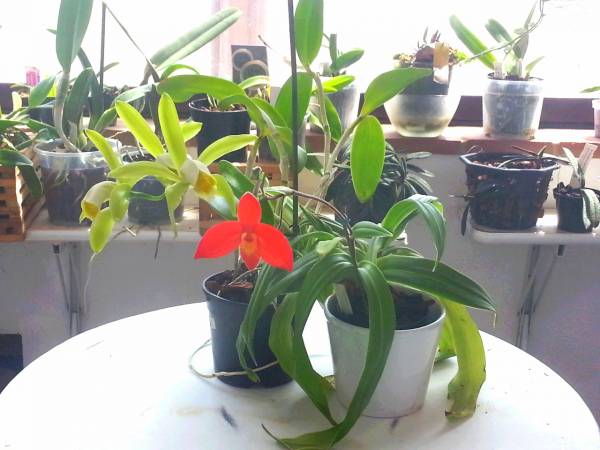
x=182, y=87
x=367, y=155
x=190, y=129
x=308, y=21
x=196, y=38
x=107, y=117
x=110, y=156
x=591, y=208
x=382, y=321
x=472, y=42
x=73, y=19
x=463, y=339
x=224, y=146
x=366, y=230
x=78, y=96
x=333, y=118
x=338, y=83
x=434, y=279
x=283, y=104
x=498, y=32
x=39, y=93
x=346, y=59
x=169, y=70
x=388, y=84
x=140, y=128
x=255, y=81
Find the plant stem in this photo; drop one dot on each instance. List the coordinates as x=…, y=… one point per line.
x=59, y=106
x=252, y=157
x=323, y=115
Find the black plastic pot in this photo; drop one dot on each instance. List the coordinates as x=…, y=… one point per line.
x=569, y=203
x=506, y=198
x=218, y=124
x=225, y=320
x=149, y=212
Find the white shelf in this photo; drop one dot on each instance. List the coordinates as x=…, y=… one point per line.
x=43, y=231
x=545, y=233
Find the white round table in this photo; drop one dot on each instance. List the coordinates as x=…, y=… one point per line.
x=127, y=385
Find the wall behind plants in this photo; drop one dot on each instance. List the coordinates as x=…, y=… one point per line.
x=127, y=280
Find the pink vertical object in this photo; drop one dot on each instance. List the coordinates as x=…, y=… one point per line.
x=32, y=76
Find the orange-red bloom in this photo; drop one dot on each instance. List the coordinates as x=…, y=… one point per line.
x=255, y=240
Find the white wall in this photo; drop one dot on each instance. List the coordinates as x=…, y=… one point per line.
x=127, y=280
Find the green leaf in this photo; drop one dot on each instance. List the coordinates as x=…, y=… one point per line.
x=78, y=97
x=224, y=146
x=464, y=340
x=240, y=184
x=133, y=172
x=190, y=129
x=283, y=104
x=169, y=70
x=529, y=67
x=591, y=89
x=381, y=332
x=73, y=19
x=133, y=94
x=338, y=83
x=313, y=163
x=12, y=158
x=40, y=92
x=591, y=208
x=366, y=157
x=387, y=85
x=100, y=142
x=333, y=118
x=472, y=42
x=5, y=124
x=366, y=230
x=196, y=38
x=119, y=201
x=308, y=20
x=404, y=211
x=182, y=87
x=270, y=111
x=169, y=122
x=498, y=32
x=258, y=80
x=140, y=128
x=253, y=111
x=434, y=279
x=577, y=169
x=346, y=59
x=101, y=229
x=324, y=248
x=105, y=119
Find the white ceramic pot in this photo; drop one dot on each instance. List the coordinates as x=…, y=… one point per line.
x=403, y=384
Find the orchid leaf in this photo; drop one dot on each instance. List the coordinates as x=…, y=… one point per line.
x=169, y=121
x=109, y=154
x=133, y=172
x=12, y=158
x=338, y=83
x=190, y=129
x=308, y=20
x=366, y=157
x=283, y=103
x=39, y=93
x=182, y=87
x=73, y=19
x=140, y=128
x=473, y=43
x=225, y=146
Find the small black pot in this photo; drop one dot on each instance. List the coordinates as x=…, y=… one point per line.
x=506, y=198
x=149, y=212
x=226, y=317
x=569, y=204
x=218, y=124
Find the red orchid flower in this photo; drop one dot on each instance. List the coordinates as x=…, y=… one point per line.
x=255, y=240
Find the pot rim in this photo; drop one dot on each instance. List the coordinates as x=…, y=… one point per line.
x=197, y=108
x=41, y=149
x=228, y=300
x=557, y=193
x=467, y=162
x=490, y=76
x=348, y=326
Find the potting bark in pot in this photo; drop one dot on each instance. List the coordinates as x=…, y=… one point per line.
x=425, y=108
x=218, y=124
x=512, y=101
x=143, y=211
x=507, y=191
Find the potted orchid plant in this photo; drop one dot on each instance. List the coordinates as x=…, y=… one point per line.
x=376, y=293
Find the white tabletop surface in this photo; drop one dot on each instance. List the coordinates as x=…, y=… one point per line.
x=127, y=385
x=544, y=233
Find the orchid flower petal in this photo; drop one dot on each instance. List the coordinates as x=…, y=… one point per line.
x=249, y=210
x=219, y=240
x=274, y=248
